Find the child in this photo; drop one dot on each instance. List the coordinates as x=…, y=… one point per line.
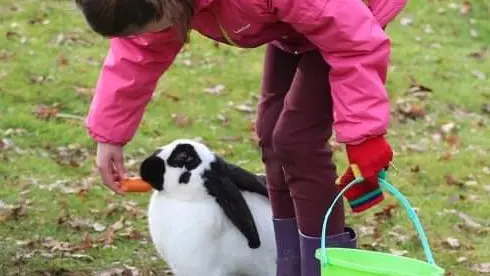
x=325, y=69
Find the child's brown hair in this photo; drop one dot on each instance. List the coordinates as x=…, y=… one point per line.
x=121, y=17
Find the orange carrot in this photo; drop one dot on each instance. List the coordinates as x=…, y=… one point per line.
x=135, y=185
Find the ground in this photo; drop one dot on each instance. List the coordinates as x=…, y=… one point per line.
x=56, y=218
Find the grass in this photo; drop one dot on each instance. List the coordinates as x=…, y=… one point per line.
x=50, y=58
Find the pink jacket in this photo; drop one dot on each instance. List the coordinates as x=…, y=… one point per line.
x=349, y=37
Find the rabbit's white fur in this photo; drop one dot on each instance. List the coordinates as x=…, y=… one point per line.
x=193, y=235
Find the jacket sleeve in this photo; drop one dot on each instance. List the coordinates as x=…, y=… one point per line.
x=127, y=80
x=357, y=49
x=386, y=10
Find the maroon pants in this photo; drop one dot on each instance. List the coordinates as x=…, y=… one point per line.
x=294, y=122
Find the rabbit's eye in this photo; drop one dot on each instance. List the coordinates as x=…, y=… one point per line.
x=184, y=157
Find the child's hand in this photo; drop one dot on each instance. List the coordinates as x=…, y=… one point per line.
x=371, y=157
x=110, y=162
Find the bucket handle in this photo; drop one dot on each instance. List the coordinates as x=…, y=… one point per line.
x=393, y=191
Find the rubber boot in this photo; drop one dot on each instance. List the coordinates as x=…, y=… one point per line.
x=287, y=243
x=310, y=266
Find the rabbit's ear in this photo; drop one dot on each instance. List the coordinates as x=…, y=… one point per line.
x=152, y=170
x=242, y=178
x=231, y=200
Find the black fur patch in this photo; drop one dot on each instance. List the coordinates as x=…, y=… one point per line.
x=184, y=155
x=152, y=170
x=232, y=202
x=185, y=177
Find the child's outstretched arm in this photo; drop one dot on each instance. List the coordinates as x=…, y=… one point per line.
x=126, y=83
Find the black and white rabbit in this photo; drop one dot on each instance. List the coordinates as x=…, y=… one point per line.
x=207, y=216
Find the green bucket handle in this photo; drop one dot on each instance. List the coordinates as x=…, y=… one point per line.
x=393, y=191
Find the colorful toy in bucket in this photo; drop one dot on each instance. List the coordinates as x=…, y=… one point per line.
x=357, y=262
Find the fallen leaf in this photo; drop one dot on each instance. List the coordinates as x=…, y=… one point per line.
x=45, y=112
x=84, y=91
x=171, y=97
x=451, y=180
x=481, y=268
x=418, y=90
x=62, y=60
x=181, y=120
x=453, y=141
x=410, y=110
x=469, y=221
x=415, y=169
x=453, y=243
x=245, y=108
x=12, y=211
x=482, y=54
x=215, y=90
x=11, y=34
x=386, y=213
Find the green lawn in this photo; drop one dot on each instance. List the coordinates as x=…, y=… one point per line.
x=56, y=219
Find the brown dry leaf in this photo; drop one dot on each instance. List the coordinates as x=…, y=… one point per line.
x=45, y=112
x=12, y=211
x=70, y=39
x=171, y=97
x=73, y=155
x=446, y=156
x=181, y=120
x=11, y=34
x=108, y=236
x=481, y=268
x=410, y=110
x=418, y=90
x=480, y=55
x=131, y=234
x=40, y=79
x=62, y=60
x=86, y=244
x=453, y=141
x=84, y=91
x=6, y=55
x=465, y=8
x=451, y=180
x=55, y=245
x=415, y=169
x=452, y=243
x=386, y=213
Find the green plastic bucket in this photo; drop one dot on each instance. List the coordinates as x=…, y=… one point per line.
x=357, y=262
